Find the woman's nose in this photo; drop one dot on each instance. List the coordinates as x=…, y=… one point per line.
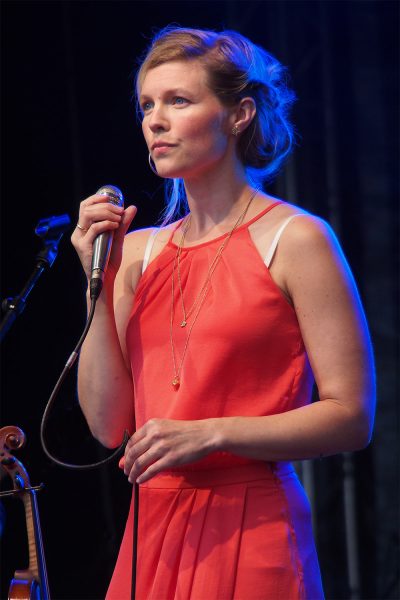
x=158, y=119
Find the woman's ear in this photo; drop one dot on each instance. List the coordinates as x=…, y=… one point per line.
x=243, y=115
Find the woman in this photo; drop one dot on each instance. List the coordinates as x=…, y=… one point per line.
x=210, y=331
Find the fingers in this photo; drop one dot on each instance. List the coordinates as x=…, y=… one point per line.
x=97, y=209
x=90, y=234
x=98, y=215
x=132, y=455
x=146, y=465
x=140, y=464
x=159, y=445
x=97, y=218
x=141, y=451
x=127, y=218
x=161, y=465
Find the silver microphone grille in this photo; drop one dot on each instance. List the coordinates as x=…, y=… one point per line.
x=115, y=194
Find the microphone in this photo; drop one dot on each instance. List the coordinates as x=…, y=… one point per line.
x=102, y=244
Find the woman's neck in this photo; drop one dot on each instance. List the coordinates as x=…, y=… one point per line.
x=215, y=202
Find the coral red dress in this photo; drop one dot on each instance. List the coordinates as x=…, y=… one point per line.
x=225, y=527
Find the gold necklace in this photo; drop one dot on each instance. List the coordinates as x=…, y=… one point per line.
x=203, y=290
x=199, y=300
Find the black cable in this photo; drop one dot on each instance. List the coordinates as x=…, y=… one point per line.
x=69, y=364
x=135, y=538
x=94, y=294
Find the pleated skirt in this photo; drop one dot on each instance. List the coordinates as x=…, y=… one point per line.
x=238, y=533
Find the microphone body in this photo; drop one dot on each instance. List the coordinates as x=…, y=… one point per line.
x=102, y=244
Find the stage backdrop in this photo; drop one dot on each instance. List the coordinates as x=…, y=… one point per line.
x=69, y=126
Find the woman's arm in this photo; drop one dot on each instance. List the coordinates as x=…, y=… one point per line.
x=335, y=333
x=105, y=387
x=315, y=276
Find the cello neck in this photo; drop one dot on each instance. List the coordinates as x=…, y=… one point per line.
x=32, y=582
x=37, y=564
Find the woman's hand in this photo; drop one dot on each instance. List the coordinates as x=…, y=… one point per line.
x=163, y=443
x=97, y=215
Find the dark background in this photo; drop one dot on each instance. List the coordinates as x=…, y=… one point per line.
x=69, y=126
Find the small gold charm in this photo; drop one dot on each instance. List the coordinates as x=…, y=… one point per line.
x=184, y=323
x=176, y=382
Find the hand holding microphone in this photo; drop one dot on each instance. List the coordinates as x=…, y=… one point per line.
x=102, y=244
x=99, y=234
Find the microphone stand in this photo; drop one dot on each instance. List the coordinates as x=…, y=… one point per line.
x=51, y=231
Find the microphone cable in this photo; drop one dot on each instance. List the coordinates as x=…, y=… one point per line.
x=68, y=366
x=101, y=252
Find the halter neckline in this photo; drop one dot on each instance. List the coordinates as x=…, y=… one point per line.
x=220, y=237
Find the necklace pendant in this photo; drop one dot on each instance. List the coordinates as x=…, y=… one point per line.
x=184, y=323
x=176, y=383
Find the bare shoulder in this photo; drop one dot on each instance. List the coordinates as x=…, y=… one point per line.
x=307, y=235
x=287, y=228
x=306, y=248
x=135, y=244
x=311, y=265
x=134, y=249
x=297, y=226
x=161, y=237
x=135, y=241
x=132, y=260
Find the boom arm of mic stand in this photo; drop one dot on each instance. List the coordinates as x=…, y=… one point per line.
x=51, y=231
x=13, y=307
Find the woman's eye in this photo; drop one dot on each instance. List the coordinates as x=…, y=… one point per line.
x=179, y=100
x=176, y=101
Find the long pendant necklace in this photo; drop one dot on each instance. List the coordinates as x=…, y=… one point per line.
x=199, y=300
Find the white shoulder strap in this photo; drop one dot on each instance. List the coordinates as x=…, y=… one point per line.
x=273, y=246
x=149, y=248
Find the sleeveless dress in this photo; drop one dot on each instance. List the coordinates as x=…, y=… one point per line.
x=224, y=527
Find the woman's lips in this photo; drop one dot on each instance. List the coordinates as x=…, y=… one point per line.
x=160, y=150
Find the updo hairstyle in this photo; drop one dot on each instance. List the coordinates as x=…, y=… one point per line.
x=236, y=68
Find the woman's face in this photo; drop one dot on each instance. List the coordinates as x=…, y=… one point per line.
x=185, y=126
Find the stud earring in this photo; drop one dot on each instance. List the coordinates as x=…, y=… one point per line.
x=152, y=166
x=235, y=130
